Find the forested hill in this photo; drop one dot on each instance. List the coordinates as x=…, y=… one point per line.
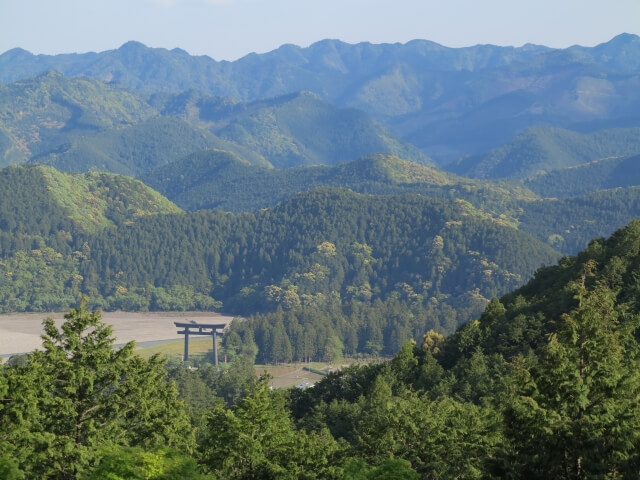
x=325, y=247
x=216, y=179
x=322, y=246
x=522, y=320
x=219, y=179
x=540, y=150
x=605, y=173
x=40, y=205
x=543, y=385
x=81, y=125
x=300, y=128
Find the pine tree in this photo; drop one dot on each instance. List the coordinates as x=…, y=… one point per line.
x=257, y=439
x=81, y=393
x=576, y=413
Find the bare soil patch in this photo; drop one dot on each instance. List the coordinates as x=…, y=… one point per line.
x=20, y=332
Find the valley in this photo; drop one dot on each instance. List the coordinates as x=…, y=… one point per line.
x=431, y=255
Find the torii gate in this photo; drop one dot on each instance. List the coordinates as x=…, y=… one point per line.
x=201, y=329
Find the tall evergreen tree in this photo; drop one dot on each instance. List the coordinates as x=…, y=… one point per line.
x=80, y=393
x=576, y=413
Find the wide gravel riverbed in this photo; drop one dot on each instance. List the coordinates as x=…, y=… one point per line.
x=20, y=332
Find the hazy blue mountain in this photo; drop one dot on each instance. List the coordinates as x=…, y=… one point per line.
x=289, y=130
x=597, y=175
x=621, y=53
x=329, y=65
x=303, y=129
x=82, y=125
x=133, y=149
x=539, y=150
x=447, y=101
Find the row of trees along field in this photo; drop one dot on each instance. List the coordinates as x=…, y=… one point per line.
x=545, y=384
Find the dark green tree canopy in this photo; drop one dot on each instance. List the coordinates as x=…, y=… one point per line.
x=80, y=393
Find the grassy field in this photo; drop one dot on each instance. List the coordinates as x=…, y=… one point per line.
x=283, y=376
x=175, y=348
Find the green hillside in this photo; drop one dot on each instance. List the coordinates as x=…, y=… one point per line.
x=217, y=179
x=544, y=384
x=221, y=180
x=293, y=130
x=133, y=149
x=440, y=253
x=84, y=125
x=587, y=177
x=46, y=203
x=38, y=114
x=532, y=310
x=568, y=224
x=540, y=150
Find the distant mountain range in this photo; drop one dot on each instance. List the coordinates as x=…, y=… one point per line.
x=83, y=124
x=448, y=102
x=246, y=135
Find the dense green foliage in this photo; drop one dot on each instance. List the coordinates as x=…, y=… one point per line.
x=544, y=384
x=79, y=394
x=322, y=247
x=43, y=202
x=326, y=247
x=220, y=180
x=568, y=224
x=42, y=206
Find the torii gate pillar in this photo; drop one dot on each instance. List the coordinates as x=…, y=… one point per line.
x=194, y=328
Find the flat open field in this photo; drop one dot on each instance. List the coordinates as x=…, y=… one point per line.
x=20, y=332
x=287, y=376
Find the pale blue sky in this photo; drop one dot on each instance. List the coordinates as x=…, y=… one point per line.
x=229, y=29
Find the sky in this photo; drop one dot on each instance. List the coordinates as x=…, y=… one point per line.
x=230, y=29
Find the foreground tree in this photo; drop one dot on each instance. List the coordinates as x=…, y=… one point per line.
x=80, y=394
x=131, y=463
x=577, y=411
x=256, y=438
